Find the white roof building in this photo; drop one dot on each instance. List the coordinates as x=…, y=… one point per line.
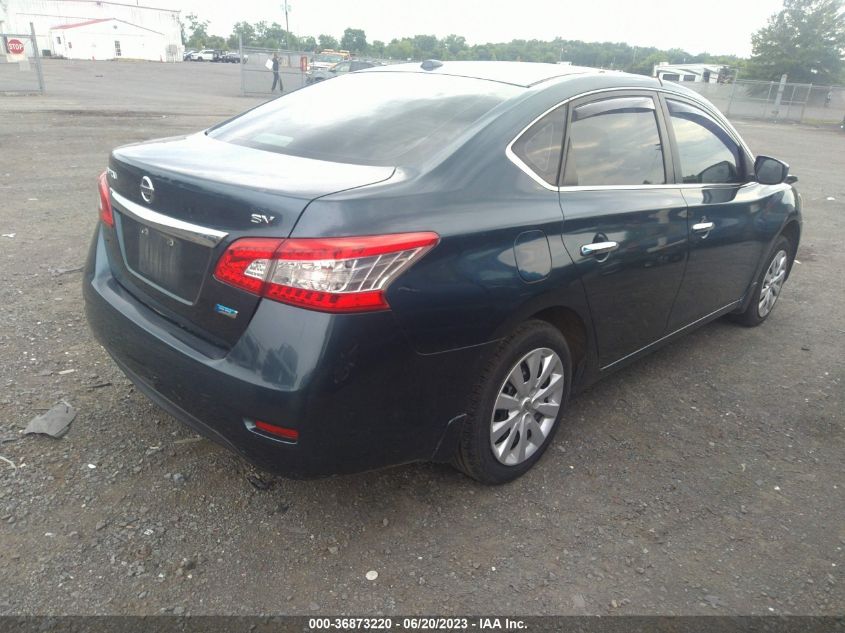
x=153, y=24
x=108, y=38
x=707, y=73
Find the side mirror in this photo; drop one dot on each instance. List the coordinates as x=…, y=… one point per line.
x=770, y=171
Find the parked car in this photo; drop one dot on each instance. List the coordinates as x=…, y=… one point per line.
x=341, y=68
x=206, y=55
x=186, y=56
x=231, y=57
x=327, y=58
x=425, y=262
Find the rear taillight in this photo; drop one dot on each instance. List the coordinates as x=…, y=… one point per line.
x=340, y=274
x=105, y=200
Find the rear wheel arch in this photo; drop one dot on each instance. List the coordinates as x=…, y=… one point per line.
x=573, y=328
x=568, y=316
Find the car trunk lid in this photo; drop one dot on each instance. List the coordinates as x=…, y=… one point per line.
x=178, y=203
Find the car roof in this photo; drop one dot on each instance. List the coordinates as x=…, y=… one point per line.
x=523, y=74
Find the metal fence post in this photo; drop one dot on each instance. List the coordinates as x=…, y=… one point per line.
x=779, y=96
x=241, y=57
x=806, y=100
x=731, y=98
x=768, y=99
x=38, y=69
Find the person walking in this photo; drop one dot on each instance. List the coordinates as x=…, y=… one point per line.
x=276, y=78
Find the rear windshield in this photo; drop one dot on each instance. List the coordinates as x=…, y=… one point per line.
x=378, y=118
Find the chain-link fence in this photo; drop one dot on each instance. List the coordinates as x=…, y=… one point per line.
x=257, y=77
x=20, y=64
x=772, y=100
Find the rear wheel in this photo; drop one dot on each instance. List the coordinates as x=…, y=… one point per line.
x=769, y=284
x=517, y=405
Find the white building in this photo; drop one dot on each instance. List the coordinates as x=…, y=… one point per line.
x=707, y=73
x=157, y=28
x=108, y=38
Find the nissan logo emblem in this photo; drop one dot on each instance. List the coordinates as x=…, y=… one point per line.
x=148, y=192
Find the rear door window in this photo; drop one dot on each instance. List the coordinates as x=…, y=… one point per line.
x=707, y=153
x=614, y=141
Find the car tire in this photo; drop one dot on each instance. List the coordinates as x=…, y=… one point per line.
x=510, y=426
x=769, y=284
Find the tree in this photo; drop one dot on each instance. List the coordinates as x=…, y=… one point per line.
x=454, y=44
x=198, y=31
x=425, y=46
x=327, y=41
x=215, y=41
x=645, y=63
x=400, y=49
x=805, y=40
x=308, y=43
x=354, y=40
x=245, y=30
x=260, y=30
x=273, y=36
x=377, y=48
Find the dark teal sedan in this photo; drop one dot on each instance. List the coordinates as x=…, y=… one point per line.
x=424, y=262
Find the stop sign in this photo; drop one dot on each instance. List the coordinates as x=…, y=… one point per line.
x=15, y=47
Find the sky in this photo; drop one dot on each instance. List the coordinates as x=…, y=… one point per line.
x=713, y=26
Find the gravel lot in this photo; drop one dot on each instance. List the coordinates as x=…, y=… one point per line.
x=705, y=479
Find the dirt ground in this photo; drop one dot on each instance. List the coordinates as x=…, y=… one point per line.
x=705, y=479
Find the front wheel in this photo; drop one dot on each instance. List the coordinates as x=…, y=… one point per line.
x=769, y=284
x=517, y=405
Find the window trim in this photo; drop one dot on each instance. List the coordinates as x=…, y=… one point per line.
x=661, y=116
x=598, y=107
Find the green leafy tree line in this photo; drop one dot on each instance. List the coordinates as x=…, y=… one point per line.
x=806, y=40
x=452, y=47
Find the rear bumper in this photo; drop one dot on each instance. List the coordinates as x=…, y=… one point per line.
x=352, y=386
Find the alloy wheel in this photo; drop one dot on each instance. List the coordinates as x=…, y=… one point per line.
x=772, y=283
x=527, y=406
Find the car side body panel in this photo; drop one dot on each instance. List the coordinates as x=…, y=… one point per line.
x=631, y=290
x=724, y=261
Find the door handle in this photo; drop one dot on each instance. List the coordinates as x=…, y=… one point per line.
x=598, y=248
x=703, y=227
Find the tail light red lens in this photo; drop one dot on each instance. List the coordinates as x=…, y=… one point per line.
x=246, y=262
x=279, y=431
x=106, y=214
x=341, y=274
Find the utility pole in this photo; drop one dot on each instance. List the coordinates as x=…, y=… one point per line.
x=286, y=7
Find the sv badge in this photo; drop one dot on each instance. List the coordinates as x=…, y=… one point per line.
x=260, y=218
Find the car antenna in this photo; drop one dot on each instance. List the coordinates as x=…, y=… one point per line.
x=431, y=64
